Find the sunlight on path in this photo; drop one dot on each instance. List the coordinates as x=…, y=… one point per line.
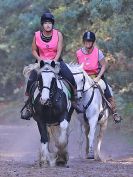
x=19, y=143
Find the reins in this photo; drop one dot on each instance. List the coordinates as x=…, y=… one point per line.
x=103, y=96
x=95, y=85
x=91, y=98
x=47, y=71
x=81, y=90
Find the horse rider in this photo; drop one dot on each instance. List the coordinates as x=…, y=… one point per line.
x=95, y=66
x=47, y=45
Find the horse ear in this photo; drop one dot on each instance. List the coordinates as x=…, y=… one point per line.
x=41, y=63
x=53, y=64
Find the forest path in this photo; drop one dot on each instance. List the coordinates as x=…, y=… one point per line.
x=20, y=142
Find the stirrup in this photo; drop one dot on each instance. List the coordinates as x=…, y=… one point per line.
x=26, y=111
x=117, y=117
x=27, y=115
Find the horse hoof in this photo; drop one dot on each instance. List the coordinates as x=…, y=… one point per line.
x=67, y=166
x=43, y=164
x=98, y=158
x=90, y=157
x=61, y=163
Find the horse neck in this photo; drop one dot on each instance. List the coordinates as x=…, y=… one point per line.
x=53, y=85
x=59, y=82
x=88, y=79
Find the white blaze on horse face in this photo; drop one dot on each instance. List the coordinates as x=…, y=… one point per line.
x=80, y=84
x=46, y=79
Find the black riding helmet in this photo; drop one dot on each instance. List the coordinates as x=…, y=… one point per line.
x=47, y=16
x=89, y=36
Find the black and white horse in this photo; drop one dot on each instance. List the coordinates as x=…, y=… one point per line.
x=51, y=105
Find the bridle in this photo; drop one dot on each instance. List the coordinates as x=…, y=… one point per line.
x=81, y=90
x=93, y=86
x=48, y=102
x=47, y=71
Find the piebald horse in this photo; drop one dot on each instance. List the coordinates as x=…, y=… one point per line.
x=51, y=105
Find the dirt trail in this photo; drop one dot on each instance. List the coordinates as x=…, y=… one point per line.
x=19, y=147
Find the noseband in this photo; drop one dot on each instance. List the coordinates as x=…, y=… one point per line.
x=47, y=71
x=81, y=90
x=48, y=102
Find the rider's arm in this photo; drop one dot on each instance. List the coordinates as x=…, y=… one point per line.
x=102, y=70
x=103, y=67
x=35, y=50
x=60, y=46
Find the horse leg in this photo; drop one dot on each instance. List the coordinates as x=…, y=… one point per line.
x=81, y=139
x=44, y=139
x=103, y=126
x=91, y=135
x=45, y=155
x=87, y=129
x=62, y=154
x=82, y=124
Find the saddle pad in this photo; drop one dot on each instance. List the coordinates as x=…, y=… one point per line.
x=68, y=88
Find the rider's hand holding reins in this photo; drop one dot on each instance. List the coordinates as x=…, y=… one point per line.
x=96, y=79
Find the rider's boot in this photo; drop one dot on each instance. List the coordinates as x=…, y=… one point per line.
x=27, y=112
x=117, y=118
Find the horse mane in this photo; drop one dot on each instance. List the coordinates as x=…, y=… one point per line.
x=75, y=68
x=27, y=69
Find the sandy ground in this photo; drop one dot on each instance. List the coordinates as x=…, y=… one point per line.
x=20, y=143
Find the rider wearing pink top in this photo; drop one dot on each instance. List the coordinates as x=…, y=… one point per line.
x=47, y=44
x=90, y=61
x=47, y=50
x=95, y=66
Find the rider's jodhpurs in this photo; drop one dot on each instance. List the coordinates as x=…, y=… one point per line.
x=31, y=80
x=66, y=73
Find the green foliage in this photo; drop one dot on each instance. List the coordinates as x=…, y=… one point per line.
x=112, y=20
x=12, y=77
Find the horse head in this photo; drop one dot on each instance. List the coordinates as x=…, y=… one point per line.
x=81, y=78
x=48, y=72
